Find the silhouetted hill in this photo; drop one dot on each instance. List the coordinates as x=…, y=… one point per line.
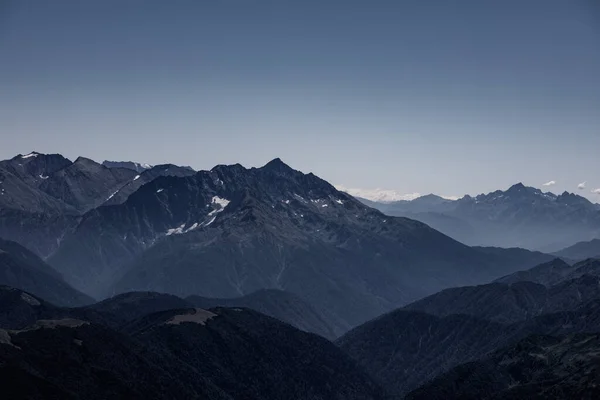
x=538, y=367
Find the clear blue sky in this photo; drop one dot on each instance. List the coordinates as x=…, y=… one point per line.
x=424, y=96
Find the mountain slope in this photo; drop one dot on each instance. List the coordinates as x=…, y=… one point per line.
x=554, y=272
x=252, y=356
x=507, y=303
x=127, y=307
x=278, y=304
x=539, y=367
x=73, y=359
x=22, y=269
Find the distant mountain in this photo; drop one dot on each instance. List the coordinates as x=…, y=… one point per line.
x=85, y=184
x=34, y=168
x=281, y=305
x=518, y=217
x=22, y=269
x=405, y=349
x=538, y=367
x=232, y=231
x=137, y=167
x=144, y=177
x=581, y=250
x=252, y=356
x=554, y=272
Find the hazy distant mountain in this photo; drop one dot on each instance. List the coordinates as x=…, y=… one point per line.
x=278, y=304
x=539, y=367
x=137, y=167
x=232, y=231
x=22, y=269
x=581, y=250
x=518, y=217
x=134, y=166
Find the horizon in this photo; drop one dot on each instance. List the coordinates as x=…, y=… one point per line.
x=380, y=195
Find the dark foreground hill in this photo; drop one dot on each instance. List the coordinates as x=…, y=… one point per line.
x=191, y=353
x=538, y=367
x=404, y=349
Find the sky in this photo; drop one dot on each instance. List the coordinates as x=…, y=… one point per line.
x=412, y=96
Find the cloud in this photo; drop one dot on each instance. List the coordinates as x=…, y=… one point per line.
x=596, y=191
x=379, y=195
x=581, y=186
x=551, y=183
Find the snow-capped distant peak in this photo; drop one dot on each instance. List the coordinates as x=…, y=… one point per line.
x=378, y=195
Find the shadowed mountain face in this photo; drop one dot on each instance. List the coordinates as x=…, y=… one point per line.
x=539, y=367
x=144, y=177
x=405, y=349
x=232, y=231
x=22, y=269
x=518, y=217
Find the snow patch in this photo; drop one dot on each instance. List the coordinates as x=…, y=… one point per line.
x=30, y=155
x=159, y=190
x=112, y=195
x=176, y=231
x=220, y=201
x=325, y=205
x=136, y=178
x=43, y=177
x=339, y=201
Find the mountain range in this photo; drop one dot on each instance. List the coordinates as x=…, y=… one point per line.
x=521, y=216
x=232, y=231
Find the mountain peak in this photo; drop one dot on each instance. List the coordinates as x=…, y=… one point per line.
x=516, y=187
x=276, y=164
